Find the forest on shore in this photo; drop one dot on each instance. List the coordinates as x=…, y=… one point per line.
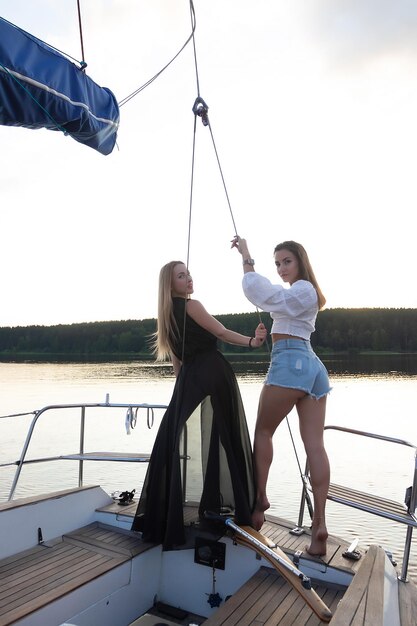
x=337, y=330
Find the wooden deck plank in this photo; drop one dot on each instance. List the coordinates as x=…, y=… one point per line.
x=268, y=600
x=104, y=538
x=225, y=613
x=120, y=509
x=30, y=598
x=28, y=585
x=30, y=576
x=37, y=554
x=375, y=504
x=292, y=615
x=47, y=593
x=362, y=604
x=33, y=577
x=278, y=531
x=132, y=457
x=49, y=561
x=375, y=596
x=80, y=541
x=272, y=592
x=301, y=614
x=43, y=574
x=124, y=540
x=331, y=597
x=407, y=597
x=358, y=619
x=282, y=608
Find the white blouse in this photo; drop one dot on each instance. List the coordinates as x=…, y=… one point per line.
x=293, y=310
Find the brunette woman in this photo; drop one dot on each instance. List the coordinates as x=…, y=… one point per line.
x=296, y=376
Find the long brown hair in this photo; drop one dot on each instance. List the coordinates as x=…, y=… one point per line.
x=304, y=266
x=166, y=324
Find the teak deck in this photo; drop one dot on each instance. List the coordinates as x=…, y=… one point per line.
x=267, y=599
x=35, y=577
x=42, y=574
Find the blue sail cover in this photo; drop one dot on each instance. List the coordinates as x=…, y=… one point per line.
x=41, y=88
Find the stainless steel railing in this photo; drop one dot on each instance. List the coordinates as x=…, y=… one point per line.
x=81, y=455
x=402, y=513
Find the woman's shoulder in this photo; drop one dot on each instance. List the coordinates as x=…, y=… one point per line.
x=305, y=292
x=193, y=305
x=196, y=311
x=302, y=285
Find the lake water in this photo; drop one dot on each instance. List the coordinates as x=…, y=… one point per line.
x=374, y=394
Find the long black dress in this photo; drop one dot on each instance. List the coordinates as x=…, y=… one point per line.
x=219, y=471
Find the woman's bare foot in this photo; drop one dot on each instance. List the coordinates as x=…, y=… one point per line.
x=258, y=515
x=319, y=537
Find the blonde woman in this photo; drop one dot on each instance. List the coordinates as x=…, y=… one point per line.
x=218, y=440
x=296, y=376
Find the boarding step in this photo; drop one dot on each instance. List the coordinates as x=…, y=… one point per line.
x=368, y=595
x=127, y=457
x=162, y=614
x=364, y=599
x=267, y=598
x=36, y=577
x=372, y=504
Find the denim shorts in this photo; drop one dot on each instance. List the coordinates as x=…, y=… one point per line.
x=295, y=365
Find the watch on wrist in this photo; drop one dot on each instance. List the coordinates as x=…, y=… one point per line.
x=249, y=262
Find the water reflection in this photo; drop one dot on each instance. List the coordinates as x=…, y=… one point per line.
x=365, y=365
x=251, y=363
x=372, y=364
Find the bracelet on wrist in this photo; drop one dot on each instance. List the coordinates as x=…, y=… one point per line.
x=250, y=346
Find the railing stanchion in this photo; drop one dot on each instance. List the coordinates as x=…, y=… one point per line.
x=81, y=464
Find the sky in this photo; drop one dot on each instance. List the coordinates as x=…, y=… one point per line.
x=312, y=107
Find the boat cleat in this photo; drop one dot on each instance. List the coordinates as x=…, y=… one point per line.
x=351, y=553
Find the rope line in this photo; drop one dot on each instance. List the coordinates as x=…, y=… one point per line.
x=222, y=177
x=306, y=494
x=200, y=109
x=192, y=17
x=83, y=63
x=18, y=414
x=151, y=80
x=190, y=211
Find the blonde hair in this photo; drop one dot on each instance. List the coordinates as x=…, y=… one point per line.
x=304, y=266
x=167, y=327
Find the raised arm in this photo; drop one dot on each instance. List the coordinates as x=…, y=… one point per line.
x=242, y=246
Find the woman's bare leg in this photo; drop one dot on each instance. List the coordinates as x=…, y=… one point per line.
x=312, y=415
x=274, y=404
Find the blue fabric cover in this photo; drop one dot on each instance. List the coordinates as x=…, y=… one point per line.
x=41, y=88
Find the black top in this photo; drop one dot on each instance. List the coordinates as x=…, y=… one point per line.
x=197, y=339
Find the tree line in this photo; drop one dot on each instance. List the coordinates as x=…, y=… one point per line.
x=337, y=330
